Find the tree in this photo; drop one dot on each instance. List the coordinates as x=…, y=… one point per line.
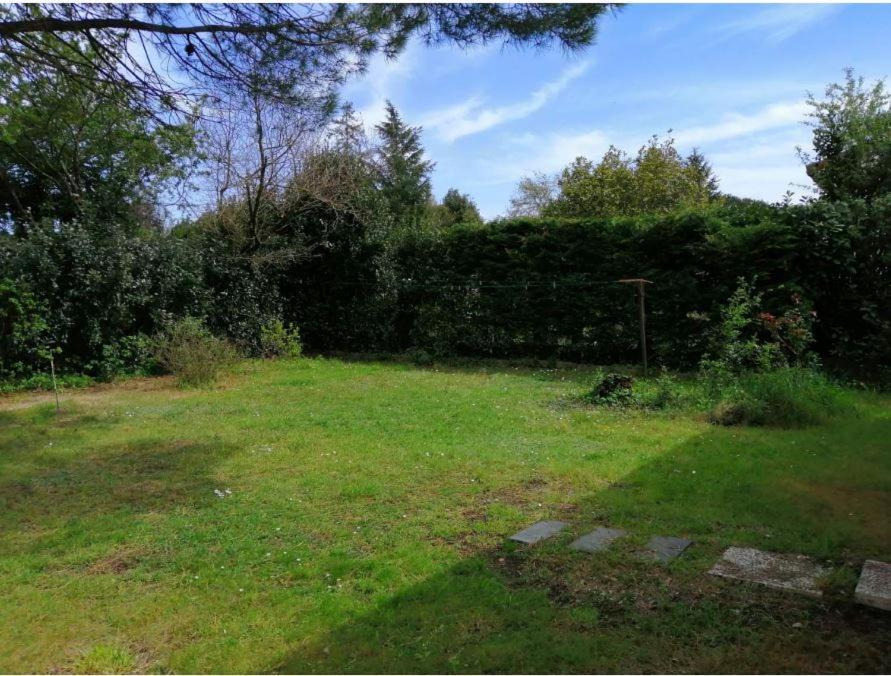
x=70, y=151
x=456, y=207
x=403, y=171
x=158, y=55
x=534, y=194
x=851, y=140
x=658, y=180
x=461, y=207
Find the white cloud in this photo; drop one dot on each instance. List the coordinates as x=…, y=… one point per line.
x=468, y=117
x=736, y=124
x=777, y=23
x=380, y=82
x=753, y=154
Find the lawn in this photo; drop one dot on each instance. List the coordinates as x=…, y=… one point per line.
x=327, y=516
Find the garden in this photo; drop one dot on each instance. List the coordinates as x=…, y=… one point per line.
x=309, y=424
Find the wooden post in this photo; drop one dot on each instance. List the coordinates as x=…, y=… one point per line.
x=642, y=315
x=55, y=387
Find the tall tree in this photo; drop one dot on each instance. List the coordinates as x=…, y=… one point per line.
x=533, y=195
x=657, y=180
x=177, y=50
x=404, y=173
x=68, y=150
x=851, y=140
x=456, y=207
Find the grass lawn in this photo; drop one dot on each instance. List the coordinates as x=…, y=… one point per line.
x=363, y=519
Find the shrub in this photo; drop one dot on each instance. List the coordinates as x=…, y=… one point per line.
x=613, y=389
x=130, y=355
x=665, y=392
x=44, y=381
x=278, y=340
x=191, y=353
x=786, y=397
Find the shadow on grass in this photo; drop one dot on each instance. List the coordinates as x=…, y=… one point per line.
x=543, y=369
x=135, y=477
x=547, y=609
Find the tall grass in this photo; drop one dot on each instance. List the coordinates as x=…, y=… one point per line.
x=785, y=397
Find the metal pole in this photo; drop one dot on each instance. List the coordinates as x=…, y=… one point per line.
x=643, y=326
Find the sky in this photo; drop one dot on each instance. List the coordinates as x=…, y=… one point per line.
x=731, y=80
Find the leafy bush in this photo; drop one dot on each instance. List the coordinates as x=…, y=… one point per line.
x=613, y=389
x=750, y=340
x=191, y=353
x=786, y=397
x=278, y=340
x=664, y=393
x=44, y=381
x=22, y=329
x=129, y=355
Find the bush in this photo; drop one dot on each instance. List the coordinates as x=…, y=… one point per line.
x=44, y=381
x=787, y=397
x=278, y=340
x=613, y=389
x=191, y=353
x=130, y=355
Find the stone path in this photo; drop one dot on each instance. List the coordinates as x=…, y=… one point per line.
x=874, y=586
x=598, y=540
x=538, y=531
x=792, y=572
x=665, y=549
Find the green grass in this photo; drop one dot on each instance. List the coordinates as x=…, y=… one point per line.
x=364, y=528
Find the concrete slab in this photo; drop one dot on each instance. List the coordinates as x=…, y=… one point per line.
x=665, y=548
x=792, y=572
x=538, y=531
x=597, y=540
x=874, y=586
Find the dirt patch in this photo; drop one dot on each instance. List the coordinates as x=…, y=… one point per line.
x=117, y=562
x=94, y=394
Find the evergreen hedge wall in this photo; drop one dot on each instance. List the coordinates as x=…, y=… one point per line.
x=549, y=287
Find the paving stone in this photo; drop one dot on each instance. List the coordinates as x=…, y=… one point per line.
x=597, y=540
x=665, y=548
x=538, y=531
x=874, y=586
x=792, y=572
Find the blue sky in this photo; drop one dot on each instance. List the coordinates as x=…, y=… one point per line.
x=728, y=79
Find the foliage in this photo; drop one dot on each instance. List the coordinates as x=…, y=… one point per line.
x=285, y=52
x=456, y=207
x=533, y=196
x=750, y=340
x=191, y=353
x=129, y=355
x=44, y=381
x=851, y=140
x=783, y=397
x=278, y=340
x=613, y=388
x=22, y=329
x=71, y=150
x=403, y=173
x=657, y=181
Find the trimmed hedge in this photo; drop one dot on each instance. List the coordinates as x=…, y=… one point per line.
x=548, y=287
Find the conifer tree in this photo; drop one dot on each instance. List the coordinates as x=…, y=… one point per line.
x=404, y=174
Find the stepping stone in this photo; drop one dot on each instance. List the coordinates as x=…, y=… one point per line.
x=665, y=548
x=874, y=587
x=598, y=540
x=792, y=572
x=538, y=531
